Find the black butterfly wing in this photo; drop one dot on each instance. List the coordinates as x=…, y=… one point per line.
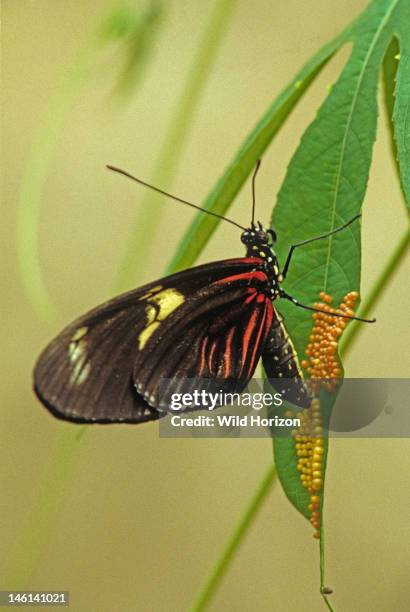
x=212, y=342
x=87, y=373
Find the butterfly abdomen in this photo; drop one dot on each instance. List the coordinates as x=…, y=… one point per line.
x=281, y=364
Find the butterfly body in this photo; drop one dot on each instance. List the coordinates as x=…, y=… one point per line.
x=204, y=328
x=258, y=244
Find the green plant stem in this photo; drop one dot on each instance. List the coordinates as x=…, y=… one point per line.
x=169, y=157
x=35, y=535
x=78, y=73
x=221, y=566
x=384, y=279
x=237, y=536
x=322, y=538
x=28, y=210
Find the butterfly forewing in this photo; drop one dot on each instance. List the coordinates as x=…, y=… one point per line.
x=100, y=366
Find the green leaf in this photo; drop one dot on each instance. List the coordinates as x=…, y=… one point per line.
x=225, y=190
x=286, y=462
x=325, y=186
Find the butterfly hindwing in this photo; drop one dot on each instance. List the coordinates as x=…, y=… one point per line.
x=91, y=371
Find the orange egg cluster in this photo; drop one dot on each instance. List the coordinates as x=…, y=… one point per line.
x=322, y=364
x=323, y=369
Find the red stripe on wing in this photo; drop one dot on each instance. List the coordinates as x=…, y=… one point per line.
x=263, y=329
x=247, y=260
x=211, y=355
x=247, y=336
x=228, y=352
x=203, y=353
x=255, y=275
x=252, y=295
x=253, y=344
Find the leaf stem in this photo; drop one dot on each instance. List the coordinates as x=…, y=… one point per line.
x=322, y=540
x=221, y=566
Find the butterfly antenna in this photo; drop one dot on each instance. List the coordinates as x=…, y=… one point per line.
x=169, y=195
x=255, y=172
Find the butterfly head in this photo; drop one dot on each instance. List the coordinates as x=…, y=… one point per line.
x=257, y=236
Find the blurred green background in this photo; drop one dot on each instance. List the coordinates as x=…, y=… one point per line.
x=135, y=522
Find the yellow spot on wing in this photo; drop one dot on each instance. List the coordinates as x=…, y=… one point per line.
x=150, y=293
x=79, y=373
x=167, y=301
x=146, y=333
x=151, y=313
x=77, y=355
x=159, y=307
x=79, y=333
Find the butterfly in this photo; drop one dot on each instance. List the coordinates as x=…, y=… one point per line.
x=205, y=328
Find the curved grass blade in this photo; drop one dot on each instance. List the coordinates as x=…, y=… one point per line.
x=28, y=210
x=220, y=568
x=81, y=71
x=225, y=190
x=133, y=30
x=140, y=241
x=35, y=534
x=385, y=277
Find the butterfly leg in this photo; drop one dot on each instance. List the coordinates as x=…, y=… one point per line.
x=309, y=240
x=286, y=296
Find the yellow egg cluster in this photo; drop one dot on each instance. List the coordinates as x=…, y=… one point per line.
x=322, y=364
x=309, y=449
x=323, y=369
